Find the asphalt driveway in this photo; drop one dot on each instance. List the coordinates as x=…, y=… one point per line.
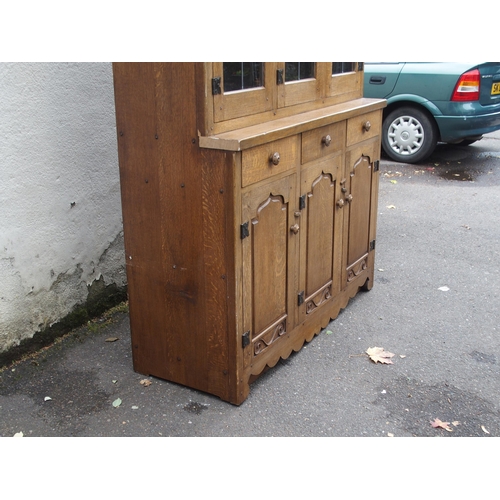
x=434, y=305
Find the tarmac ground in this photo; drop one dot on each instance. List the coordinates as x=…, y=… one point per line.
x=434, y=305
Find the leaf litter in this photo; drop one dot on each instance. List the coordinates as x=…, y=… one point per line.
x=443, y=425
x=379, y=355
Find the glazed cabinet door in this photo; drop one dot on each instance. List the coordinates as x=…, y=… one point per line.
x=269, y=253
x=321, y=233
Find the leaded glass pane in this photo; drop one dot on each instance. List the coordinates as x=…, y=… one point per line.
x=342, y=67
x=242, y=75
x=299, y=71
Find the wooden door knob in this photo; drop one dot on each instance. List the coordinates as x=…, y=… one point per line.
x=348, y=198
x=340, y=203
x=294, y=228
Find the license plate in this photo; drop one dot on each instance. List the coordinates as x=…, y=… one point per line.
x=495, y=88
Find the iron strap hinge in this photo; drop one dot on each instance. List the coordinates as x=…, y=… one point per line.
x=372, y=245
x=245, y=339
x=302, y=202
x=376, y=166
x=216, y=90
x=244, y=230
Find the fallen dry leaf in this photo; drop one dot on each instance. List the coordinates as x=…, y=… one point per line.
x=145, y=382
x=378, y=355
x=484, y=429
x=391, y=206
x=112, y=339
x=443, y=425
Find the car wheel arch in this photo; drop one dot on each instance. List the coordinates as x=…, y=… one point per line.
x=423, y=105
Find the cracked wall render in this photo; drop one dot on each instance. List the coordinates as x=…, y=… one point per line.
x=60, y=220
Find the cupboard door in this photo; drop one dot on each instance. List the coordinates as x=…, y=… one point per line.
x=321, y=233
x=345, y=81
x=230, y=103
x=359, y=210
x=269, y=252
x=297, y=87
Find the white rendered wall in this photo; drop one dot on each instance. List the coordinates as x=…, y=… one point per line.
x=60, y=212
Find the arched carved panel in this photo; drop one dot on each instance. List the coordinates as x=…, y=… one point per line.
x=320, y=230
x=269, y=262
x=359, y=210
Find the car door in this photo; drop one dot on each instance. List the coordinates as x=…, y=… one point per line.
x=380, y=78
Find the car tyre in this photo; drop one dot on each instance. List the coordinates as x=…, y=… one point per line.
x=409, y=135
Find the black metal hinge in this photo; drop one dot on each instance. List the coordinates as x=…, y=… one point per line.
x=244, y=230
x=279, y=77
x=302, y=202
x=245, y=339
x=216, y=90
x=372, y=245
x=360, y=66
x=300, y=298
x=376, y=166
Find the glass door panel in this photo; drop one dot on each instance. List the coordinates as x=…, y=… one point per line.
x=242, y=89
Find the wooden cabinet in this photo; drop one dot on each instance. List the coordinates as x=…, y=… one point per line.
x=249, y=215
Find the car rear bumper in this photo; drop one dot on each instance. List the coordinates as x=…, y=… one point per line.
x=455, y=128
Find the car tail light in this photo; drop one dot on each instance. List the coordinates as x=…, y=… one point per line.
x=467, y=87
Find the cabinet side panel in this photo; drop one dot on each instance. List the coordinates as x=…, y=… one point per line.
x=139, y=181
x=170, y=245
x=216, y=167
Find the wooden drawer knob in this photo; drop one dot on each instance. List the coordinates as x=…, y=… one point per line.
x=327, y=140
x=275, y=158
x=367, y=126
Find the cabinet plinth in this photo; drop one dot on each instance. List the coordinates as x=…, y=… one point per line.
x=244, y=235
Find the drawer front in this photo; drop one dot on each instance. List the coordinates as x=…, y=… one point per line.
x=323, y=141
x=370, y=149
x=262, y=162
x=363, y=127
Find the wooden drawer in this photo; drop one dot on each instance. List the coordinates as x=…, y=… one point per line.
x=257, y=163
x=323, y=141
x=363, y=127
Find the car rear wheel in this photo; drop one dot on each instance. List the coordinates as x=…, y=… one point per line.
x=408, y=135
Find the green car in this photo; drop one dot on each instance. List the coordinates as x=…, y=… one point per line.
x=429, y=103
